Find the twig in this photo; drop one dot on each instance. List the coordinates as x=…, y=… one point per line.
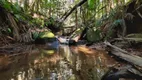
x=137, y=8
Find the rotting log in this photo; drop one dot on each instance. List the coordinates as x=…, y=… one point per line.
x=133, y=59
x=136, y=60
x=115, y=47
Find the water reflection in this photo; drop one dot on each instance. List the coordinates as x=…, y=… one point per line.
x=63, y=63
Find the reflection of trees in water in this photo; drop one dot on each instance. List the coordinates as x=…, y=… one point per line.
x=59, y=64
x=37, y=66
x=90, y=66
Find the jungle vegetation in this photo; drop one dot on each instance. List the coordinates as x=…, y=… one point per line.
x=114, y=23
x=22, y=20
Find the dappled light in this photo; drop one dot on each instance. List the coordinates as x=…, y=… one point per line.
x=86, y=50
x=70, y=39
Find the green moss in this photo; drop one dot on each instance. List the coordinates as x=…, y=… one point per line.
x=46, y=34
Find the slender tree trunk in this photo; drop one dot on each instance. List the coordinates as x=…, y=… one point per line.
x=76, y=19
x=26, y=4
x=50, y=12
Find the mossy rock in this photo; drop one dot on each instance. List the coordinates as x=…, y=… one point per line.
x=44, y=37
x=46, y=34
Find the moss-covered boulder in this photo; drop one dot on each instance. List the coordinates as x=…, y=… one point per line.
x=44, y=37
x=46, y=34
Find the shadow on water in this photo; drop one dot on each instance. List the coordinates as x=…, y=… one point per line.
x=63, y=63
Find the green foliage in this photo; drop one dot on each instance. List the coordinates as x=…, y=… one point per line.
x=91, y=4
x=35, y=35
x=98, y=23
x=5, y=4
x=50, y=21
x=9, y=30
x=77, y=32
x=103, y=11
x=116, y=23
x=19, y=17
x=16, y=8
x=91, y=12
x=39, y=22
x=13, y=8
x=93, y=35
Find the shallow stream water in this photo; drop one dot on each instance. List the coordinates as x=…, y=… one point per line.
x=63, y=63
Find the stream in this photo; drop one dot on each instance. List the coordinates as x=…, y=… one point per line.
x=40, y=62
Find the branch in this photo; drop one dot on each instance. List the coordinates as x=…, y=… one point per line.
x=75, y=7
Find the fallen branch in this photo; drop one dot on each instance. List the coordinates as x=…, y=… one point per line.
x=136, y=60
x=115, y=47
